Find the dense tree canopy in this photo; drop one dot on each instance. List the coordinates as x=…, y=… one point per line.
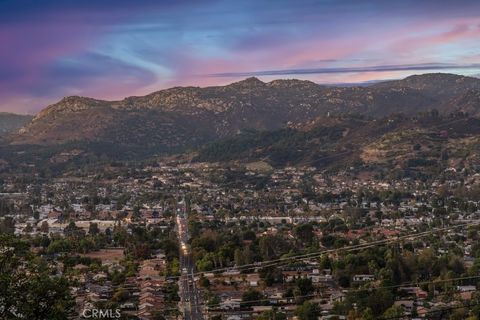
x=27, y=288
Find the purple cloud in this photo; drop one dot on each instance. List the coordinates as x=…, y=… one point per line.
x=384, y=68
x=113, y=48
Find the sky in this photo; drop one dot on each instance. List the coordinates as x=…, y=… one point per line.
x=111, y=49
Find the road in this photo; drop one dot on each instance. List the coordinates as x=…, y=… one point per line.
x=190, y=297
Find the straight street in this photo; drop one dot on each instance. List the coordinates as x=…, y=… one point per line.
x=190, y=297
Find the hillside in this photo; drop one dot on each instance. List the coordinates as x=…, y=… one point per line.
x=414, y=145
x=435, y=85
x=182, y=117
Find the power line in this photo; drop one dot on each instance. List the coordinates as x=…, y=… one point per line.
x=361, y=290
x=441, y=311
x=360, y=247
x=276, y=262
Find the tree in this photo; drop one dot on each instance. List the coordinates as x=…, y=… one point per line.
x=173, y=267
x=7, y=225
x=238, y=257
x=27, y=289
x=272, y=315
x=368, y=314
x=308, y=311
x=44, y=227
x=305, y=232
x=73, y=231
x=120, y=235
x=353, y=315
x=242, y=257
x=93, y=229
x=271, y=275
x=247, y=255
x=206, y=263
x=249, y=296
x=204, y=282
x=393, y=312
x=120, y=295
x=303, y=288
x=271, y=245
x=379, y=301
x=458, y=314
x=28, y=228
x=325, y=262
x=59, y=245
x=158, y=315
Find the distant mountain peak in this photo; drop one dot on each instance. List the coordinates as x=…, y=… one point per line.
x=437, y=76
x=69, y=104
x=79, y=99
x=248, y=83
x=439, y=86
x=292, y=83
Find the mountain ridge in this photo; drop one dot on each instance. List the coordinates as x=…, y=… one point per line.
x=183, y=117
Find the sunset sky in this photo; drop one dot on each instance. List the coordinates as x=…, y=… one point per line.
x=111, y=49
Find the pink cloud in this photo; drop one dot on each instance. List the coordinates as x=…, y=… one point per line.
x=456, y=34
